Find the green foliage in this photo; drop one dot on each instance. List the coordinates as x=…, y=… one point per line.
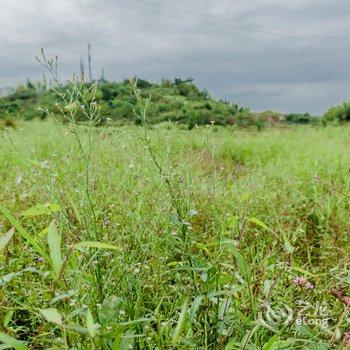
x=180, y=101
x=338, y=114
x=157, y=237
x=300, y=118
x=171, y=238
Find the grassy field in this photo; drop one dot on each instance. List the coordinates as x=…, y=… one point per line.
x=211, y=238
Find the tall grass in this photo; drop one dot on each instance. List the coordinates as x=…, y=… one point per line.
x=163, y=238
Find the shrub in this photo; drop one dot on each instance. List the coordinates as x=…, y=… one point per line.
x=166, y=83
x=125, y=109
x=338, y=114
x=300, y=118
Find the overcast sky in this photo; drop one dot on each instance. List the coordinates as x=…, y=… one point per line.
x=286, y=55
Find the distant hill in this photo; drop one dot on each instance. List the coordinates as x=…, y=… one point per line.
x=178, y=101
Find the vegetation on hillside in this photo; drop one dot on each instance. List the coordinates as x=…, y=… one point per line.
x=177, y=101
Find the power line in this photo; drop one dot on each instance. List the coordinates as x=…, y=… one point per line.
x=151, y=7
x=129, y=5
x=282, y=9
x=171, y=11
x=311, y=36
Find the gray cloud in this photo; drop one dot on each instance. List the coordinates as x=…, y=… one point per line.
x=261, y=53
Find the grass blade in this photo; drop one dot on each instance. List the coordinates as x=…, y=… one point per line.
x=98, y=245
x=12, y=342
x=24, y=233
x=90, y=324
x=180, y=323
x=54, y=241
x=258, y=222
x=51, y=315
x=241, y=263
x=6, y=238
x=41, y=209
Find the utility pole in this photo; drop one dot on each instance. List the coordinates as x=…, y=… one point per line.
x=82, y=70
x=89, y=61
x=102, y=75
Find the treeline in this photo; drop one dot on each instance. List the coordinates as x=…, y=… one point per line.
x=178, y=101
